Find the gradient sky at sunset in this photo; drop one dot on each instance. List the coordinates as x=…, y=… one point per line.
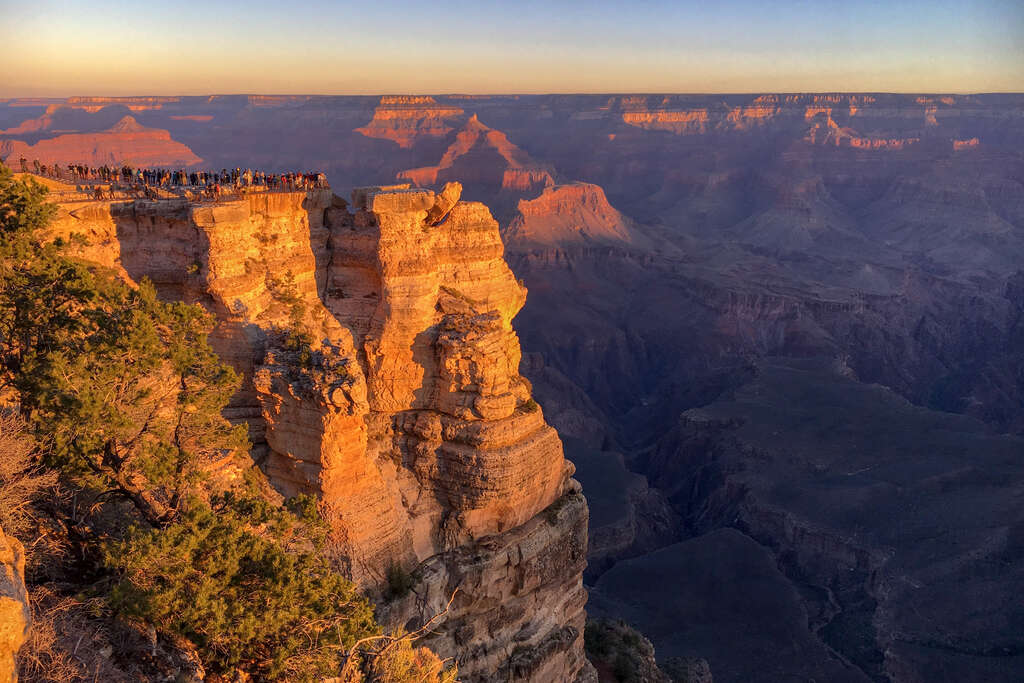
x=52, y=48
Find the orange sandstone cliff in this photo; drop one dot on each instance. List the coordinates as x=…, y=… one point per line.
x=410, y=420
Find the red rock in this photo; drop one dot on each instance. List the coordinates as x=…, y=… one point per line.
x=484, y=156
x=577, y=213
x=126, y=142
x=695, y=121
x=94, y=104
x=33, y=125
x=405, y=119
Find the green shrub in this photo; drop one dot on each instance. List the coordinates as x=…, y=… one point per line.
x=284, y=290
x=402, y=662
x=622, y=650
x=224, y=578
x=400, y=582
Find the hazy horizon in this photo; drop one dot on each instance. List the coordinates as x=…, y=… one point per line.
x=581, y=93
x=557, y=47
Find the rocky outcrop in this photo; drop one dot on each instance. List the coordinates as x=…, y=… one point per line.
x=31, y=126
x=404, y=119
x=517, y=611
x=126, y=142
x=678, y=122
x=94, y=104
x=484, y=157
x=831, y=133
x=620, y=652
x=563, y=215
x=404, y=410
x=15, y=616
x=758, y=113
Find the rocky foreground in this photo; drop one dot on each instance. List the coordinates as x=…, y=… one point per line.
x=409, y=417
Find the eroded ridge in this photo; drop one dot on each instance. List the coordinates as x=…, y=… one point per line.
x=380, y=372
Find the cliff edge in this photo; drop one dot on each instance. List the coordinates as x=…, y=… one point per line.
x=403, y=409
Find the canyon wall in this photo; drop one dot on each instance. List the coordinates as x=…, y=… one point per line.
x=403, y=118
x=671, y=244
x=402, y=407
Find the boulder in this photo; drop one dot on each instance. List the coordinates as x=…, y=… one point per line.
x=15, y=616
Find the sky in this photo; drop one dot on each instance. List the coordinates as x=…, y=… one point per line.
x=181, y=47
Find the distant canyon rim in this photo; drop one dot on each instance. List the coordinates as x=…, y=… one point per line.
x=781, y=337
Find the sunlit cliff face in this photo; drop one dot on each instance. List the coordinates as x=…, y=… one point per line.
x=416, y=430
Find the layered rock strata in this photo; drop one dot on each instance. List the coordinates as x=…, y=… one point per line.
x=570, y=214
x=484, y=156
x=405, y=412
x=405, y=119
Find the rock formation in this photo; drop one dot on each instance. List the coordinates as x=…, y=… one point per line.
x=14, y=608
x=883, y=231
x=126, y=142
x=620, y=652
x=407, y=416
x=678, y=122
x=575, y=213
x=31, y=126
x=94, y=104
x=485, y=157
x=828, y=132
x=404, y=119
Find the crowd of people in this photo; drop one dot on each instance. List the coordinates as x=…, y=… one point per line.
x=194, y=184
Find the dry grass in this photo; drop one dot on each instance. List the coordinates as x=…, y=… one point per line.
x=22, y=483
x=71, y=638
x=20, y=478
x=65, y=643
x=74, y=639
